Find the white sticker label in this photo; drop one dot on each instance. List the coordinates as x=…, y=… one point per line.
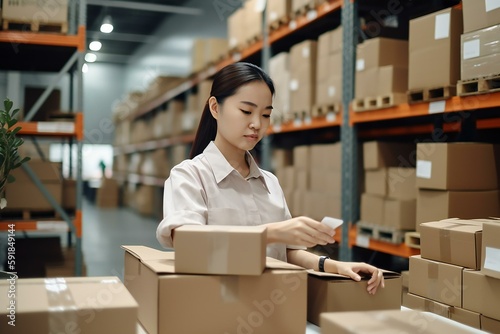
x=277, y=128
x=312, y=14
x=492, y=259
x=471, y=49
x=273, y=16
x=491, y=4
x=260, y=5
x=308, y=120
x=442, y=26
x=51, y=127
x=424, y=169
x=331, y=91
x=331, y=117
x=360, y=65
x=233, y=42
x=237, y=57
x=297, y=122
x=363, y=240
x=294, y=85
x=292, y=25
x=437, y=107
x=305, y=53
x=51, y=226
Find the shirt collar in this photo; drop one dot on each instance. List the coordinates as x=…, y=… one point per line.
x=221, y=167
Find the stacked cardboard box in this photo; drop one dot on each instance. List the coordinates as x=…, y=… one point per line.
x=279, y=70
x=192, y=115
x=303, y=77
x=390, y=195
x=445, y=279
x=456, y=180
x=384, y=61
x=278, y=11
x=435, y=49
x=329, y=68
x=481, y=39
x=245, y=24
x=207, y=51
x=108, y=194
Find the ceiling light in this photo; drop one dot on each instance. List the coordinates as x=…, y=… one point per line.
x=85, y=68
x=107, y=25
x=95, y=45
x=90, y=57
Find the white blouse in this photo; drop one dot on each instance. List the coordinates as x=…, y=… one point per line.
x=208, y=190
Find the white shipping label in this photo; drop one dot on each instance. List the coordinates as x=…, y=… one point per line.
x=52, y=226
x=294, y=85
x=51, y=127
x=331, y=117
x=491, y=4
x=437, y=107
x=442, y=26
x=273, y=16
x=424, y=169
x=360, y=65
x=363, y=240
x=492, y=259
x=331, y=91
x=306, y=52
x=292, y=25
x=312, y=14
x=260, y=5
x=471, y=49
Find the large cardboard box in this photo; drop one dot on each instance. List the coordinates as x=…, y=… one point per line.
x=235, y=28
x=438, y=281
x=415, y=302
x=302, y=180
x=481, y=294
x=480, y=53
x=282, y=157
x=336, y=293
x=480, y=14
x=253, y=19
x=108, y=194
x=49, y=174
x=303, y=76
x=301, y=157
x=453, y=241
x=456, y=166
x=220, y=250
x=435, y=205
x=363, y=88
x=274, y=302
x=44, y=11
x=206, y=51
x=401, y=183
x=391, y=79
x=278, y=9
x=372, y=209
x=87, y=305
x=377, y=52
x=376, y=182
x=435, y=49
x=329, y=79
x=377, y=154
x=388, y=322
x=490, y=254
x=279, y=70
x=330, y=42
x=69, y=194
x=400, y=214
x=320, y=204
x=466, y=317
x=326, y=181
x=327, y=157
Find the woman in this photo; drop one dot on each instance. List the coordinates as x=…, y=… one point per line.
x=221, y=183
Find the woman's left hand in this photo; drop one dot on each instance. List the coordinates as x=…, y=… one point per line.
x=352, y=269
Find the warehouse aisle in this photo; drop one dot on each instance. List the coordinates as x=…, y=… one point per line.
x=105, y=230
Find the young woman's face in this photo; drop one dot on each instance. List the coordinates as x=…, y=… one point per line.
x=243, y=118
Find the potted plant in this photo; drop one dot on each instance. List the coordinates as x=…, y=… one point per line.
x=9, y=145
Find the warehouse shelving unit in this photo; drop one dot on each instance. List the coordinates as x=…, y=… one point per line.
x=27, y=51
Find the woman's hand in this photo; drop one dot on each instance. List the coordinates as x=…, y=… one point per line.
x=300, y=231
x=352, y=269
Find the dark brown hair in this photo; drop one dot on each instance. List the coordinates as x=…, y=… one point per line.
x=226, y=82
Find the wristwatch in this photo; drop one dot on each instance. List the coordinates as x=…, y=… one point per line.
x=321, y=263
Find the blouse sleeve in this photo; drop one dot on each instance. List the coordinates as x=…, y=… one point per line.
x=184, y=202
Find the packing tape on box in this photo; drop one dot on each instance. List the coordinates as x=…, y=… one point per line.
x=229, y=288
x=219, y=251
x=445, y=245
x=432, y=276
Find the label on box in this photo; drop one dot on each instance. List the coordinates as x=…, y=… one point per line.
x=294, y=85
x=237, y=57
x=52, y=226
x=437, y=107
x=306, y=52
x=442, y=26
x=491, y=5
x=360, y=65
x=277, y=127
x=492, y=259
x=307, y=120
x=312, y=14
x=51, y=127
x=331, y=91
x=424, y=169
x=471, y=49
x=292, y=25
x=273, y=16
x=260, y=5
x=331, y=117
x=233, y=42
x=363, y=240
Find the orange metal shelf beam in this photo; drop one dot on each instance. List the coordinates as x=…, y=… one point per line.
x=405, y=110
x=37, y=38
x=316, y=123
x=33, y=128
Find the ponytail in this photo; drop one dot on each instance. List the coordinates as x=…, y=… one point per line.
x=207, y=129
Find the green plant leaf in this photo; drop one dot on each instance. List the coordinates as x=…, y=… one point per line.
x=16, y=130
x=8, y=105
x=10, y=178
x=11, y=123
x=14, y=112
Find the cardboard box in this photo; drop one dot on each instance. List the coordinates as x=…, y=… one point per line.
x=87, y=305
x=453, y=241
x=433, y=205
x=279, y=70
x=427, y=305
x=49, y=174
x=301, y=156
x=400, y=214
x=490, y=254
x=298, y=203
x=376, y=182
x=377, y=52
x=320, y=204
x=274, y=302
x=465, y=317
x=282, y=158
x=372, y=209
x=327, y=157
x=490, y=325
x=303, y=76
x=391, y=79
x=178, y=153
x=329, y=90
x=387, y=322
x=253, y=19
x=204, y=89
x=401, y=183
x=278, y=9
x=480, y=14
x=481, y=294
x=362, y=87
x=326, y=181
x=480, y=52
x=69, y=194
x=302, y=180
x=336, y=293
x=330, y=42
x=207, y=51
x=235, y=28
x=446, y=166
x=377, y=154
x=220, y=250
x=434, y=49
x=438, y=281
x=147, y=199
x=108, y=194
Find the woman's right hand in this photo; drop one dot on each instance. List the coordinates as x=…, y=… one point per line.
x=300, y=231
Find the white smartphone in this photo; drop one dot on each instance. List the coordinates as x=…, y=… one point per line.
x=332, y=222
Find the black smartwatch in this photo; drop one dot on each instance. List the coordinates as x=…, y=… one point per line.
x=321, y=263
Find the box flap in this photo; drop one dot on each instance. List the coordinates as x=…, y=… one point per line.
x=144, y=253
x=456, y=224
x=272, y=263
x=387, y=275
